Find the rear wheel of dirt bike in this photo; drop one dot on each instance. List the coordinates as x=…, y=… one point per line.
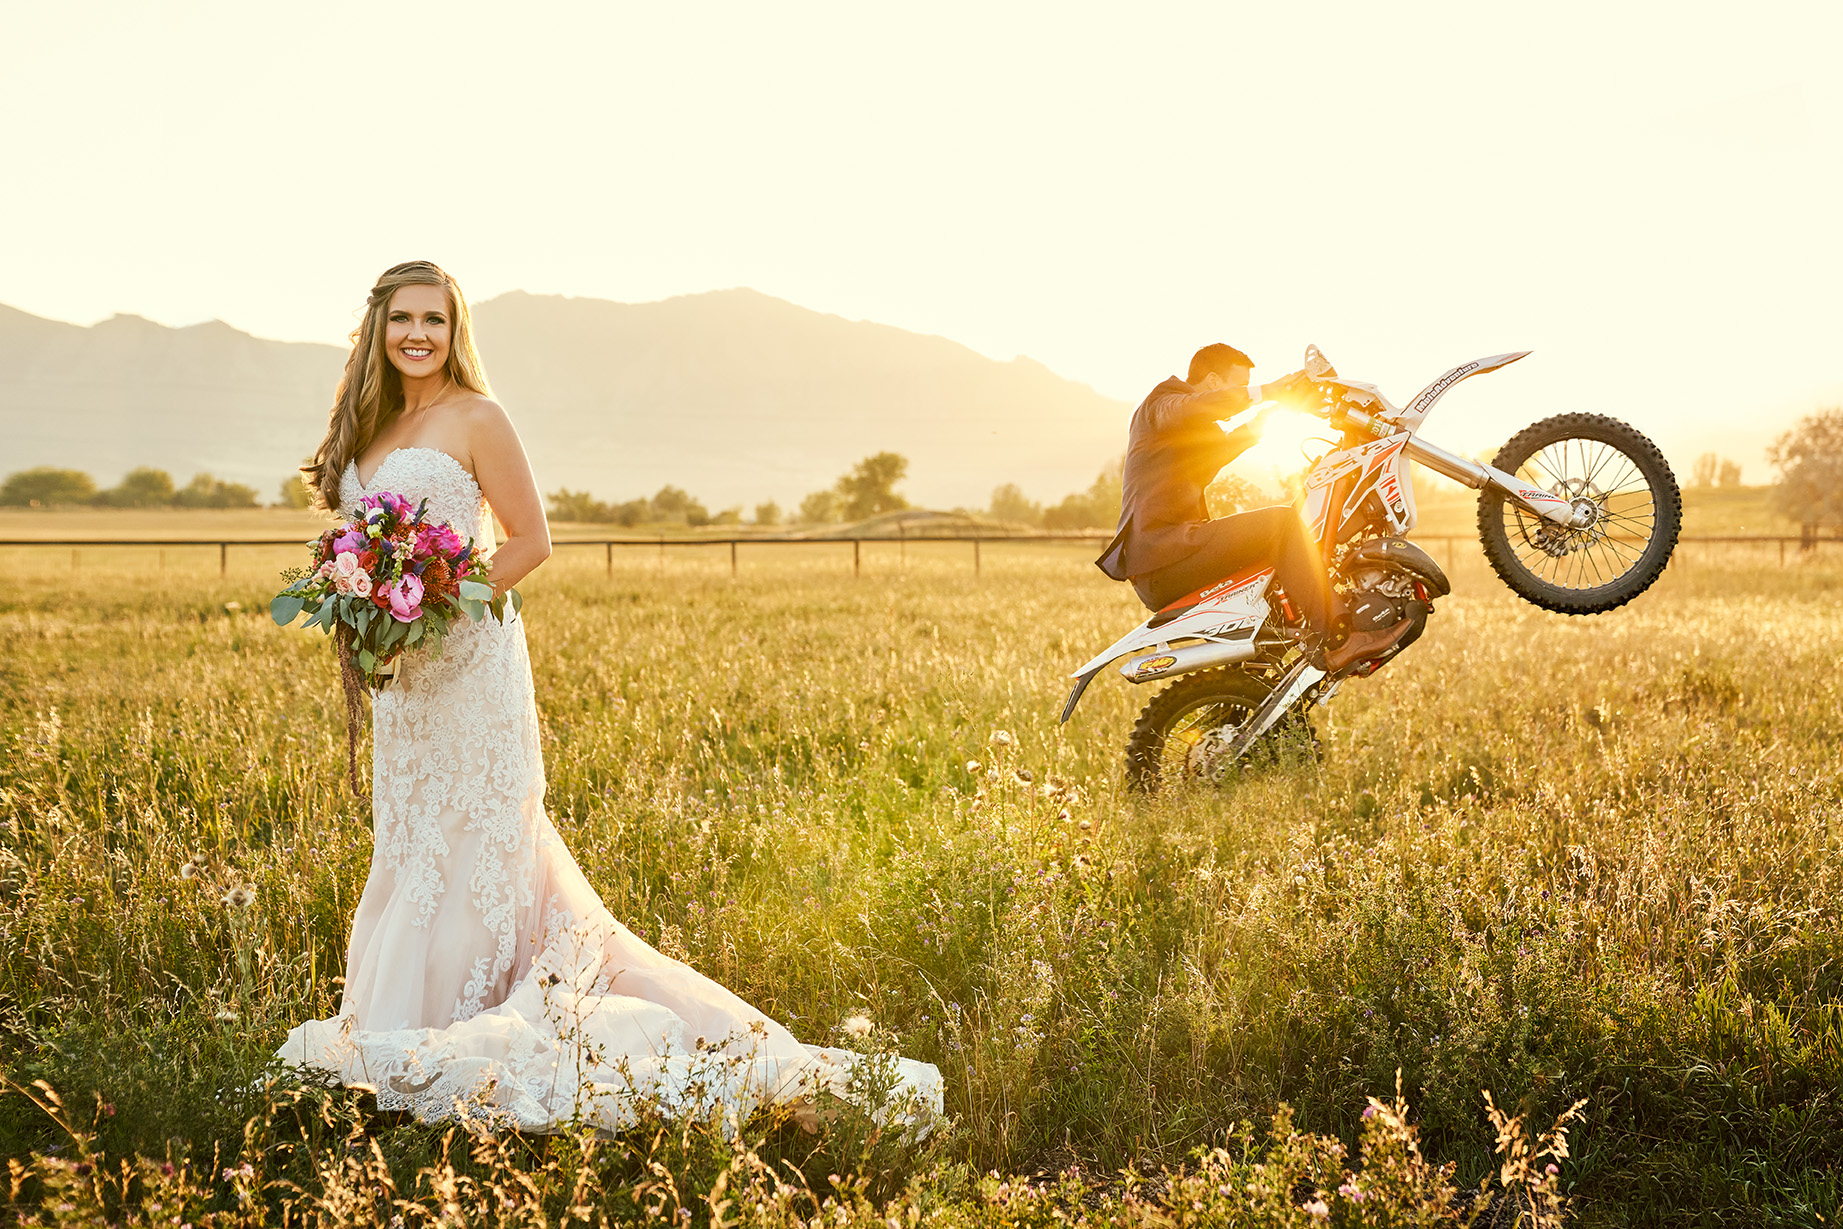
x=1166, y=746
x=1607, y=468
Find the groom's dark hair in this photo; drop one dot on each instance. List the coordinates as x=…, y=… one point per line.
x=1217, y=358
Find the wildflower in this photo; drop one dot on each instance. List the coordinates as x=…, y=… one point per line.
x=1552, y=1169
x=1352, y=1192
x=240, y=897
x=1002, y=738
x=1299, y=881
x=188, y=871
x=1063, y=815
x=1085, y=825
x=1315, y=1208
x=226, y=1015
x=1369, y=1111
x=972, y=766
x=1023, y=776
x=857, y=1026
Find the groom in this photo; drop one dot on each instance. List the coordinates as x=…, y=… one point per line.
x=1168, y=546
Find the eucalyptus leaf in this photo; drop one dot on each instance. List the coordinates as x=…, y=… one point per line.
x=286, y=608
x=476, y=590
x=367, y=661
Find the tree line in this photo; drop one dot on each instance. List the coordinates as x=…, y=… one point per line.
x=47, y=486
x=865, y=490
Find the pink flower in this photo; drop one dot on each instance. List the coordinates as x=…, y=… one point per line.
x=1315, y=1208
x=342, y=583
x=361, y=584
x=345, y=563
x=326, y=570
x=349, y=542
x=405, y=598
x=437, y=540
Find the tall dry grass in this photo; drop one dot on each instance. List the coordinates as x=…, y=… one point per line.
x=1556, y=859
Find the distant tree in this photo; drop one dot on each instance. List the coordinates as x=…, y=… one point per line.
x=1096, y=508
x=1703, y=475
x=1730, y=473
x=46, y=485
x=768, y=514
x=672, y=504
x=1809, y=458
x=294, y=494
x=580, y=506
x=819, y=508
x=140, y=488
x=729, y=516
x=1229, y=494
x=633, y=512
x=204, y=491
x=870, y=486
x=1010, y=504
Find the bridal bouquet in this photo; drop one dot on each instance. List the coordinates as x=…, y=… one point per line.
x=387, y=581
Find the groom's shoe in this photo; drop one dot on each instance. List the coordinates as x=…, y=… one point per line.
x=1361, y=646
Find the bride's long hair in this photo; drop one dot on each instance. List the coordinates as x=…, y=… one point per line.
x=371, y=390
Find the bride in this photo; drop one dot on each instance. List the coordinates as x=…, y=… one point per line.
x=484, y=978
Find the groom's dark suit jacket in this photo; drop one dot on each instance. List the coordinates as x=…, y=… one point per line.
x=1173, y=452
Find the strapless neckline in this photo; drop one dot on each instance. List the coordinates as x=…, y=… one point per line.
x=369, y=487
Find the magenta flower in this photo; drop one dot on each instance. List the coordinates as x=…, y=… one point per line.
x=352, y=540
x=405, y=598
x=439, y=540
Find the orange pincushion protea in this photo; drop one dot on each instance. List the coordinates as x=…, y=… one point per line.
x=437, y=578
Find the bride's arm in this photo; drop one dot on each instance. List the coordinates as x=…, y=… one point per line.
x=505, y=479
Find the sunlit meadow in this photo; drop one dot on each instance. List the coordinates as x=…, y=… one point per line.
x=1556, y=859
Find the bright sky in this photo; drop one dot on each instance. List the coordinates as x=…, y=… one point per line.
x=1643, y=194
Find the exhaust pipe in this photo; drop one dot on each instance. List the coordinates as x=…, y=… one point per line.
x=1148, y=666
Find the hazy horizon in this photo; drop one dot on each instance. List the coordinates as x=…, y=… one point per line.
x=1639, y=196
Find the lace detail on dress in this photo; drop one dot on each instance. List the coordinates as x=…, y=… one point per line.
x=456, y=737
x=485, y=979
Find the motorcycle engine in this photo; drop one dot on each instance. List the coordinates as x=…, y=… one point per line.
x=1379, y=598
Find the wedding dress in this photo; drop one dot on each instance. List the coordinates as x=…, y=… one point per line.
x=485, y=979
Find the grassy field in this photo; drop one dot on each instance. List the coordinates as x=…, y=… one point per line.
x=1554, y=859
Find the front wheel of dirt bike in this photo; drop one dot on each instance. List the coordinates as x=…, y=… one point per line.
x=1168, y=741
x=1605, y=468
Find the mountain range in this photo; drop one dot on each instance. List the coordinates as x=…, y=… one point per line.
x=733, y=395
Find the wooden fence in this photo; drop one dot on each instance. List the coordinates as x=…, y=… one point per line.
x=977, y=542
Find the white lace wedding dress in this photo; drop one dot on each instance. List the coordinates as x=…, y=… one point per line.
x=485, y=979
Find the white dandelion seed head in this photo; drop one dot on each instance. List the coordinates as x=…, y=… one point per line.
x=1085, y=825
x=1002, y=738
x=240, y=897
x=188, y=871
x=973, y=766
x=857, y=1026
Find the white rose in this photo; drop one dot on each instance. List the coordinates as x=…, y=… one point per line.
x=341, y=583
x=346, y=563
x=361, y=584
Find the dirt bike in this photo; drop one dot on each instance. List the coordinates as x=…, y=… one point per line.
x=1577, y=513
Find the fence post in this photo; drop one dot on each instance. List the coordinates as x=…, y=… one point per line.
x=975, y=556
x=609, y=547
x=73, y=560
x=732, y=559
x=857, y=563
x=662, y=552
x=223, y=559
x=1781, y=552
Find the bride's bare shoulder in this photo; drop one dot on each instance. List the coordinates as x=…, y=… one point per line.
x=482, y=415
